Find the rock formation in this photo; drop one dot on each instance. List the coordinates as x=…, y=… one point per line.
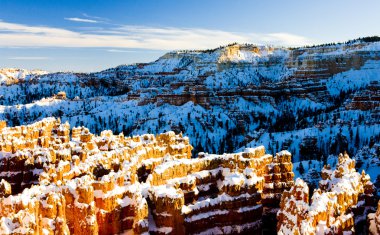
x=88, y=185
x=211, y=194
x=374, y=221
x=61, y=95
x=5, y=188
x=278, y=179
x=223, y=99
x=368, y=99
x=13, y=76
x=339, y=206
x=109, y=184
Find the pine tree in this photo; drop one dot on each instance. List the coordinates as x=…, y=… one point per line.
x=357, y=140
x=301, y=169
x=351, y=132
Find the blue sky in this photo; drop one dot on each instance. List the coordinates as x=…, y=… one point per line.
x=91, y=35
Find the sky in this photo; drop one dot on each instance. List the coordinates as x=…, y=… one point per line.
x=92, y=35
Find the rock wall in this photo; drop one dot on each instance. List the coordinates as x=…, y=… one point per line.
x=368, y=99
x=223, y=99
x=211, y=194
x=88, y=185
x=278, y=178
x=339, y=206
x=57, y=182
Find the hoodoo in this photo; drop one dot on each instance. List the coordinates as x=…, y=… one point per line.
x=339, y=206
x=110, y=184
x=175, y=118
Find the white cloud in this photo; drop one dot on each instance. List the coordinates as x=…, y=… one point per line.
x=29, y=58
x=121, y=51
x=132, y=51
x=95, y=17
x=131, y=36
x=81, y=20
x=284, y=38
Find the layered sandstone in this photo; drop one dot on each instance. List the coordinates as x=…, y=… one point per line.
x=227, y=191
x=368, y=99
x=57, y=181
x=110, y=184
x=278, y=178
x=231, y=92
x=211, y=194
x=88, y=185
x=343, y=199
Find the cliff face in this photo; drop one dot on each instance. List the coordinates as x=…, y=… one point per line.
x=314, y=102
x=108, y=184
x=57, y=181
x=339, y=206
x=87, y=185
x=14, y=76
x=223, y=99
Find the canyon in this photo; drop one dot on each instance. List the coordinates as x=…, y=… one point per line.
x=324, y=98
x=57, y=180
x=241, y=138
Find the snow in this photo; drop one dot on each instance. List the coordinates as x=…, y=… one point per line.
x=231, y=179
x=126, y=201
x=368, y=159
x=238, y=121
x=250, y=208
x=300, y=183
x=323, y=135
x=355, y=78
x=164, y=230
x=319, y=202
x=230, y=229
x=158, y=118
x=207, y=215
x=9, y=74
x=166, y=191
x=7, y=226
x=284, y=153
x=209, y=202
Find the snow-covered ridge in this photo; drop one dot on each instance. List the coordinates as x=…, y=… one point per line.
x=225, y=99
x=81, y=180
x=11, y=75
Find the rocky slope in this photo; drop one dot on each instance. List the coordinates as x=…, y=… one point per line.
x=85, y=184
x=111, y=184
x=57, y=181
x=313, y=101
x=340, y=205
x=14, y=76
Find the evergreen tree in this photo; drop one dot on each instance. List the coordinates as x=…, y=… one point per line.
x=357, y=140
x=301, y=169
